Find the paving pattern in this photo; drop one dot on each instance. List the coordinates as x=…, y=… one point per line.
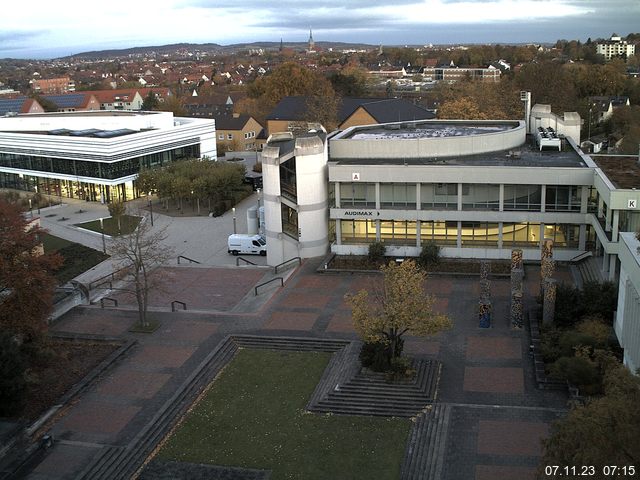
x=492, y=417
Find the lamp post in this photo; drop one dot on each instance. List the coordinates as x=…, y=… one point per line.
x=234, y=219
x=589, y=138
x=104, y=246
x=30, y=208
x=151, y=208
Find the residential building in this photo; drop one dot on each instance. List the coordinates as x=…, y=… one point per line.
x=615, y=47
x=291, y=111
x=96, y=155
x=237, y=132
x=601, y=107
x=21, y=104
x=456, y=74
x=52, y=86
x=119, y=99
x=74, y=102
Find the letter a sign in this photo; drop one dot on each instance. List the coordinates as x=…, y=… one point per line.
x=355, y=177
x=632, y=203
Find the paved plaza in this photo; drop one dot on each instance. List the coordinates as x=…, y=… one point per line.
x=498, y=416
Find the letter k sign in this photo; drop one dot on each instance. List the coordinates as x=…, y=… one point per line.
x=632, y=203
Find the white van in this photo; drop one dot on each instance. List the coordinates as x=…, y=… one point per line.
x=243, y=243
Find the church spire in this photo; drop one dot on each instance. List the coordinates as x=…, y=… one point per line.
x=312, y=45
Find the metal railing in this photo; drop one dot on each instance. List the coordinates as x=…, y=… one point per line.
x=191, y=260
x=582, y=256
x=111, y=278
x=244, y=260
x=298, y=259
x=255, y=290
x=182, y=304
x=115, y=302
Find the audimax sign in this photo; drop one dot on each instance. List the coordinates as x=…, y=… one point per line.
x=361, y=213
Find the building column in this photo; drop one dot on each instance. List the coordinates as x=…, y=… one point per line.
x=612, y=267
x=607, y=221
x=616, y=223
x=378, y=204
x=541, y=235
x=605, y=262
x=336, y=193
x=459, y=202
x=418, y=199
x=377, y=230
x=543, y=198
x=600, y=207
x=418, y=233
x=584, y=199
x=501, y=202
x=459, y=239
x=500, y=227
x=338, y=231
x=582, y=239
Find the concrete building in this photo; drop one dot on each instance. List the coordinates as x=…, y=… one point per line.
x=95, y=155
x=53, y=86
x=627, y=321
x=615, y=47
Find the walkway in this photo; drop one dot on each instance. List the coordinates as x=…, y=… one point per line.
x=495, y=415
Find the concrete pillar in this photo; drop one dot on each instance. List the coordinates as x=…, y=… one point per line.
x=607, y=221
x=418, y=197
x=338, y=231
x=418, y=233
x=543, y=197
x=549, y=301
x=459, y=197
x=459, y=239
x=615, y=225
x=584, y=199
x=378, y=197
x=612, y=267
x=582, y=241
x=600, y=207
x=605, y=262
x=500, y=234
x=377, y=230
x=336, y=192
x=501, y=204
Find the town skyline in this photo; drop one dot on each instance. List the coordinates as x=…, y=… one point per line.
x=46, y=32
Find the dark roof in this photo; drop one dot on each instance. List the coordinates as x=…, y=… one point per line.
x=624, y=172
x=68, y=100
x=12, y=105
x=230, y=122
x=383, y=110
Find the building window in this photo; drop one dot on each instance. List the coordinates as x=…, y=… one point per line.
x=229, y=136
x=563, y=198
x=289, y=221
x=358, y=231
x=398, y=232
x=288, y=185
x=480, y=234
x=522, y=197
x=221, y=136
x=357, y=195
x=563, y=235
x=521, y=235
x=481, y=197
x=442, y=233
x=398, y=195
x=439, y=196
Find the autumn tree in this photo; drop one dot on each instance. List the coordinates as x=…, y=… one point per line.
x=397, y=307
x=603, y=432
x=141, y=252
x=117, y=209
x=26, y=276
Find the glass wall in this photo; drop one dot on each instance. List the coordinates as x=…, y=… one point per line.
x=439, y=196
x=522, y=197
x=563, y=235
x=480, y=234
x=357, y=231
x=398, y=195
x=357, y=195
x=524, y=234
x=398, y=232
x=442, y=233
x=563, y=198
x=289, y=220
x=288, y=184
x=481, y=197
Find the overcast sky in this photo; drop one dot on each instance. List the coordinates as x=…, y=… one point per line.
x=45, y=29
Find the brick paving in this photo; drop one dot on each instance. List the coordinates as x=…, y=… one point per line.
x=498, y=416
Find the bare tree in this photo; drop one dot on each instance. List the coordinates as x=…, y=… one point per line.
x=141, y=252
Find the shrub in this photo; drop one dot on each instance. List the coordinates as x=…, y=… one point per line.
x=568, y=305
x=377, y=250
x=572, y=339
x=13, y=382
x=400, y=369
x=578, y=371
x=429, y=255
x=596, y=328
x=599, y=299
x=550, y=344
x=376, y=356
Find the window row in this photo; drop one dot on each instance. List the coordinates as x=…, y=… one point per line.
x=445, y=196
x=445, y=233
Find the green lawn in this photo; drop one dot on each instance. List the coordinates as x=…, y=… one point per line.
x=77, y=258
x=128, y=224
x=253, y=416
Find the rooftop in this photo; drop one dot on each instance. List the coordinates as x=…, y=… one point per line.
x=623, y=171
x=427, y=130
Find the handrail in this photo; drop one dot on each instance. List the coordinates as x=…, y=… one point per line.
x=111, y=276
x=115, y=301
x=191, y=260
x=275, y=270
x=244, y=260
x=255, y=290
x=582, y=256
x=173, y=305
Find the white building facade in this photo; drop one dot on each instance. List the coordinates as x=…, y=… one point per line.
x=627, y=321
x=615, y=47
x=96, y=155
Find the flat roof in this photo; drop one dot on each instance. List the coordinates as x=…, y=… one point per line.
x=411, y=130
x=623, y=171
x=526, y=155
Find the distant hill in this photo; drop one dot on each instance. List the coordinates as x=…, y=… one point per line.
x=210, y=48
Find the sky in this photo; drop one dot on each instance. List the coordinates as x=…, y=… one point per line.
x=46, y=29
